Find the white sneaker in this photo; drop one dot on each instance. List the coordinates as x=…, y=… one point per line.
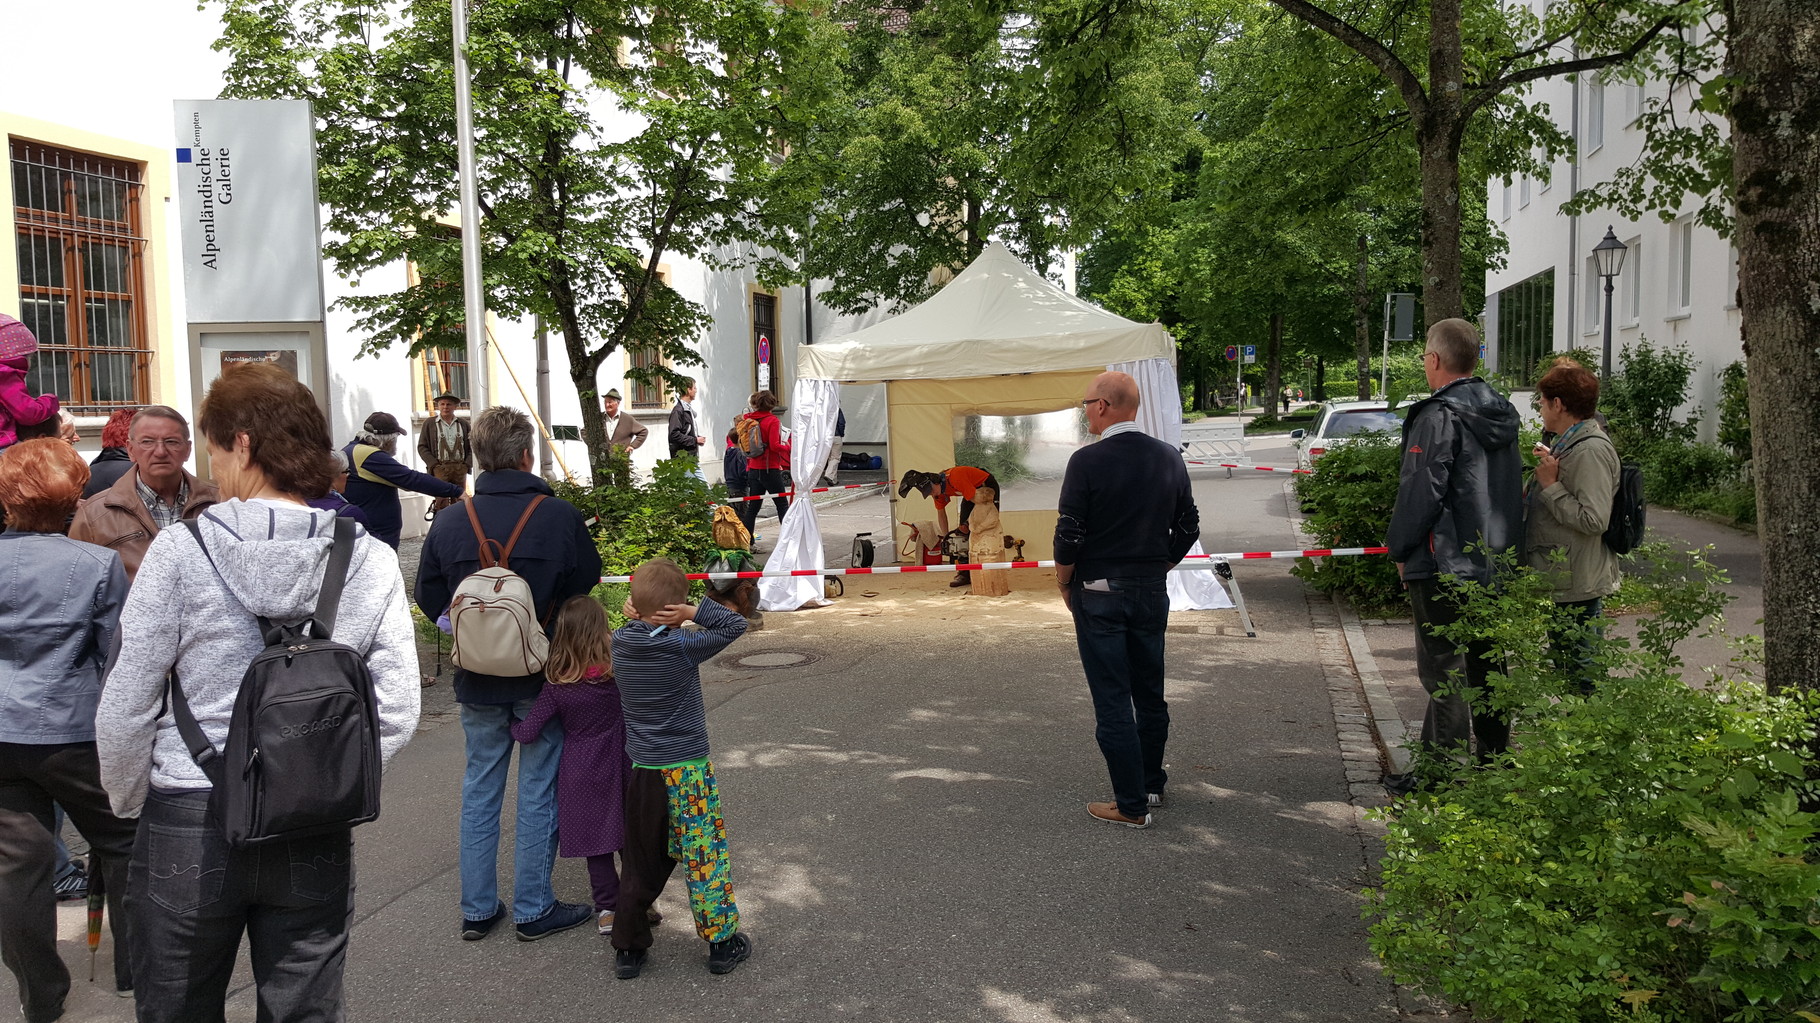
x=606, y=921
x=1155, y=799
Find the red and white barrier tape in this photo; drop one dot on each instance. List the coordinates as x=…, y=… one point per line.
x=1260, y=468
x=1200, y=563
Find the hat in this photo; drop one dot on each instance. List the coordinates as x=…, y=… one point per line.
x=16, y=340
x=381, y=423
x=446, y=396
x=612, y=394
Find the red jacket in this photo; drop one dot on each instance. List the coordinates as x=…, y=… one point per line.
x=777, y=453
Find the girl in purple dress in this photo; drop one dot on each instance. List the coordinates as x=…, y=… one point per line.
x=591, y=776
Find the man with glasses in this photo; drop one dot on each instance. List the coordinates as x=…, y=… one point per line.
x=1125, y=518
x=159, y=492
x=1460, y=498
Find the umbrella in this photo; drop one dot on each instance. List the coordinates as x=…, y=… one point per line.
x=97, y=899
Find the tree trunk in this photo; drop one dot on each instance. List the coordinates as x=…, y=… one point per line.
x=584, y=373
x=1361, y=319
x=1774, y=59
x=1320, y=379
x=1273, y=371
x=1198, y=366
x=1438, y=138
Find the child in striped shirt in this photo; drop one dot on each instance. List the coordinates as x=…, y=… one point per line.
x=672, y=803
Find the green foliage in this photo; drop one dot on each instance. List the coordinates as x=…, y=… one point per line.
x=1734, y=411
x=1641, y=398
x=668, y=517
x=1641, y=852
x=1349, y=499
x=1674, y=471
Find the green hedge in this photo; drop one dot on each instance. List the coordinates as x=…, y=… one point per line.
x=668, y=516
x=1348, y=501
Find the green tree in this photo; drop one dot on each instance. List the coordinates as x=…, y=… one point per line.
x=577, y=209
x=1461, y=71
x=1030, y=121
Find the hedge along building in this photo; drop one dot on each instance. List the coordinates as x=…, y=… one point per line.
x=96, y=266
x=1679, y=282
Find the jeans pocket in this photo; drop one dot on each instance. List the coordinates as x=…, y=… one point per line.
x=185, y=867
x=320, y=866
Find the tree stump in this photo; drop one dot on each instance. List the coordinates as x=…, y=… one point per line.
x=987, y=543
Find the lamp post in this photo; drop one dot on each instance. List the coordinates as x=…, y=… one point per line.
x=1609, y=256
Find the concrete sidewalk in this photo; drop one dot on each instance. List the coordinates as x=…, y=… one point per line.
x=905, y=799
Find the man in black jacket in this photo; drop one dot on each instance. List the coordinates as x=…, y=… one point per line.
x=1460, y=497
x=684, y=438
x=1125, y=518
x=558, y=560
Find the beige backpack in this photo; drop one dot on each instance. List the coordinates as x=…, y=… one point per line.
x=493, y=617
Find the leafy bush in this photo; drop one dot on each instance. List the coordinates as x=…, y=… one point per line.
x=1674, y=470
x=1734, y=411
x=1349, y=499
x=667, y=517
x=1641, y=399
x=1642, y=851
x=1734, y=500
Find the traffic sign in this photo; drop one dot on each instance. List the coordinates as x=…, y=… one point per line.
x=1251, y=353
x=1232, y=353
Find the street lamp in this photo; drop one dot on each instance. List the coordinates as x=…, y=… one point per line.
x=1609, y=255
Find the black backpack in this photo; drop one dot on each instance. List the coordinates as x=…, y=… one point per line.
x=302, y=753
x=1624, y=533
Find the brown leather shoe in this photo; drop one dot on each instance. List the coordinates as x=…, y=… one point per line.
x=960, y=579
x=1109, y=812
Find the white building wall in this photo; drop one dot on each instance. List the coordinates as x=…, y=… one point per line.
x=1648, y=299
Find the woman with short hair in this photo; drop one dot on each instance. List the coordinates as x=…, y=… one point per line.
x=1567, y=507
x=194, y=611
x=59, y=609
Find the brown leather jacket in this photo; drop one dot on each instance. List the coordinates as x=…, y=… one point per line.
x=117, y=519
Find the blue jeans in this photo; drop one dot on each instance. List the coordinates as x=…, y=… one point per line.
x=483, y=788
x=1120, y=635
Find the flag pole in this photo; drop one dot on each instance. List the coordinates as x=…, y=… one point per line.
x=475, y=300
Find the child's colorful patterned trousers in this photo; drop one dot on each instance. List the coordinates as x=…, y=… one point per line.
x=673, y=816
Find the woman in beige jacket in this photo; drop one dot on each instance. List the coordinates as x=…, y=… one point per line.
x=1568, y=506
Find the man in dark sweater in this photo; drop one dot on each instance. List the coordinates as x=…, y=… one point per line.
x=1126, y=518
x=558, y=560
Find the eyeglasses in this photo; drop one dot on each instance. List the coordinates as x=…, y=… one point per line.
x=1090, y=401
x=167, y=443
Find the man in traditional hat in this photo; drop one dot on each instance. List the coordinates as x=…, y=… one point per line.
x=443, y=445
x=623, y=430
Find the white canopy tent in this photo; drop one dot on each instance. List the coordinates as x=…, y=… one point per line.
x=998, y=340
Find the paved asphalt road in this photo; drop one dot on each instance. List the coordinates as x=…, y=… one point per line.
x=909, y=837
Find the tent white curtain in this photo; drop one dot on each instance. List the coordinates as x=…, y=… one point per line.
x=813, y=408
x=1160, y=416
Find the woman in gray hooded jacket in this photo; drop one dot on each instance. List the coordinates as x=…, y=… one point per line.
x=193, y=895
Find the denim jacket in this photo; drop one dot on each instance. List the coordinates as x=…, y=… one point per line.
x=59, y=609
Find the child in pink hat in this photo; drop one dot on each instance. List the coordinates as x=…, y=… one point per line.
x=17, y=407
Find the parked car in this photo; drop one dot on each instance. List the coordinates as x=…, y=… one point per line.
x=1341, y=421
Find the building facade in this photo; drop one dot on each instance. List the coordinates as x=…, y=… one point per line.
x=1679, y=281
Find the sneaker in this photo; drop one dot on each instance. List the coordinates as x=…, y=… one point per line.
x=474, y=930
x=627, y=962
x=561, y=917
x=71, y=886
x=606, y=921
x=1155, y=799
x=124, y=992
x=725, y=956
x=1109, y=812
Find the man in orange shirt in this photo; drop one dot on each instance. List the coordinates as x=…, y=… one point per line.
x=962, y=481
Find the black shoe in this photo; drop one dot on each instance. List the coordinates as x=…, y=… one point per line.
x=960, y=579
x=474, y=930
x=71, y=886
x=561, y=917
x=725, y=956
x=627, y=962
x=1399, y=785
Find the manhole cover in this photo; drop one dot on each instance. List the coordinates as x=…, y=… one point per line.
x=775, y=659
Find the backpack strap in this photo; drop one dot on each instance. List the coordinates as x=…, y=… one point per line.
x=201, y=750
x=497, y=556
x=334, y=577
x=512, y=541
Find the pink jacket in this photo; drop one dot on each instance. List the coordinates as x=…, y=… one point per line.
x=17, y=408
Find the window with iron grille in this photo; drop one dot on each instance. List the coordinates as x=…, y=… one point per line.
x=81, y=251
x=445, y=371
x=764, y=343
x=646, y=394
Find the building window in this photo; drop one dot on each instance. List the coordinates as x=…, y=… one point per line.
x=647, y=393
x=1631, y=285
x=1506, y=201
x=1595, y=115
x=81, y=251
x=1526, y=325
x=1594, y=317
x=1633, y=103
x=1523, y=192
x=1731, y=278
x=765, y=376
x=1681, y=266
x=445, y=371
